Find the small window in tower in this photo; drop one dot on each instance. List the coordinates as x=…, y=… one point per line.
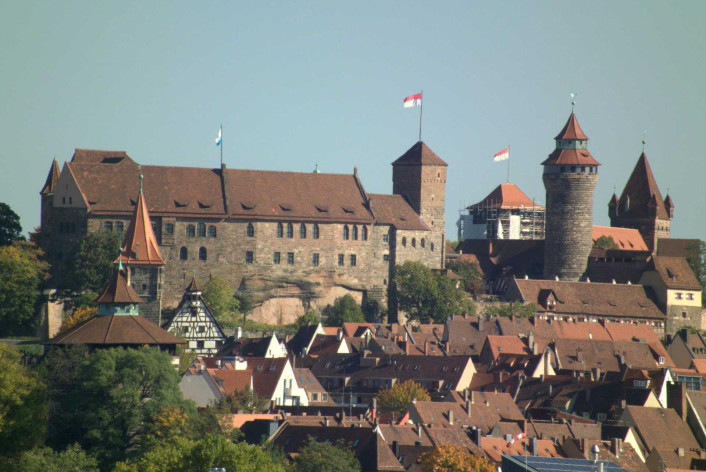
x=201, y=230
x=355, y=233
x=386, y=258
x=432, y=247
x=203, y=254
x=341, y=259
x=315, y=259
x=190, y=231
x=290, y=230
x=290, y=258
x=250, y=230
x=364, y=233
x=144, y=287
x=183, y=253
x=353, y=260
x=280, y=230
x=385, y=238
x=315, y=231
x=211, y=231
x=71, y=200
x=302, y=231
x=346, y=232
x=423, y=243
x=249, y=257
x=276, y=257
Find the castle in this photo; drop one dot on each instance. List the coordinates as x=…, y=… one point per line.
x=291, y=241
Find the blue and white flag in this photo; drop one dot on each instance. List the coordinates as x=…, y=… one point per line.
x=218, y=138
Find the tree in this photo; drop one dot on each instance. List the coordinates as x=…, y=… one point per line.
x=23, y=404
x=245, y=306
x=73, y=459
x=79, y=315
x=696, y=257
x=473, y=281
x=325, y=457
x=308, y=318
x=116, y=397
x=219, y=295
x=451, y=458
x=22, y=273
x=606, y=242
x=428, y=297
x=91, y=263
x=372, y=310
x=344, y=310
x=398, y=398
x=522, y=310
x=246, y=400
x=10, y=229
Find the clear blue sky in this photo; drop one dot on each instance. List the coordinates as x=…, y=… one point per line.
x=296, y=83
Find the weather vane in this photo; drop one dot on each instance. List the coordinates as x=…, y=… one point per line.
x=573, y=102
x=644, y=138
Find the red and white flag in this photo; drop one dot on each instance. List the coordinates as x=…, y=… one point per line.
x=413, y=100
x=502, y=155
x=516, y=438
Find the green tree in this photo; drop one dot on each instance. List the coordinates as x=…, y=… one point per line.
x=22, y=273
x=23, y=404
x=308, y=318
x=696, y=257
x=398, y=398
x=10, y=229
x=73, y=459
x=522, y=310
x=473, y=281
x=325, y=457
x=246, y=400
x=344, y=310
x=91, y=262
x=219, y=295
x=452, y=458
x=428, y=297
x=606, y=242
x=372, y=310
x=245, y=306
x=116, y=396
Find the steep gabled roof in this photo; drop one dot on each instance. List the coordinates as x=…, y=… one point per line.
x=52, y=179
x=419, y=154
x=627, y=239
x=394, y=210
x=506, y=196
x=640, y=189
x=118, y=291
x=140, y=244
x=571, y=130
x=675, y=273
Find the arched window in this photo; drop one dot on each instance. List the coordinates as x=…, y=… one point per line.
x=108, y=225
x=355, y=232
x=404, y=242
x=183, y=253
x=251, y=230
x=424, y=243
x=414, y=242
x=119, y=228
x=190, y=231
x=201, y=230
x=364, y=233
x=290, y=230
x=346, y=232
x=211, y=231
x=280, y=230
x=302, y=231
x=432, y=247
x=315, y=231
x=203, y=254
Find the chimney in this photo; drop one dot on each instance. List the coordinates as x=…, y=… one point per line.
x=426, y=348
x=465, y=315
x=374, y=412
x=273, y=405
x=616, y=447
x=468, y=408
x=481, y=321
x=676, y=398
x=326, y=421
x=533, y=445
x=465, y=394
x=476, y=436
x=451, y=417
x=472, y=396
x=419, y=431
x=406, y=347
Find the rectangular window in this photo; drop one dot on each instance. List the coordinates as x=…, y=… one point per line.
x=169, y=228
x=386, y=257
x=314, y=397
x=353, y=259
x=324, y=397
x=276, y=257
x=385, y=238
x=249, y=257
x=689, y=296
x=199, y=344
x=677, y=295
x=315, y=259
x=340, y=259
x=290, y=258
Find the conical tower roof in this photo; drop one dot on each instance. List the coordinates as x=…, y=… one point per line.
x=52, y=179
x=140, y=245
x=569, y=148
x=118, y=291
x=419, y=154
x=641, y=192
x=572, y=130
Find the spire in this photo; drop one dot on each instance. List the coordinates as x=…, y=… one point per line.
x=572, y=130
x=118, y=298
x=140, y=245
x=52, y=179
x=642, y=192
x=193, y=286
x=613, y=201
x=571, y=147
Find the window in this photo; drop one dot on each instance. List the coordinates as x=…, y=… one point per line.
x=211, y=231
x=385, y=238
x=190, y=231
x=340, y=259
x=677, y=296
x=108, y=225
x=386, y=258
x=71, y=200
x=346, y=232
x=280, y=230
x=355, y=233
x=201, y=230
x=689, y=296
x=324, y=397
x=168, y=228
x=302, y=231
x=202, y=329
x=154, y=228
x=352, y=260
x=183, y=253
x=432, y=247
x=290, y=230
x=315, y=232
x=315, y=259
x=203, y=254
x=414, y=242
x=364, y=233
x=249, y=257
x=199, y=344
x=144, y=287
x=314, y=397
x=423, y=243
x=290, y=258
x=404, y=242
x=250, y=230
x=276, y=257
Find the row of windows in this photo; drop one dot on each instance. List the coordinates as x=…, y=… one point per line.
x=422, y=242
x=109, y=225
x=352, y=233
x=199, y=231
x=315, y=258
x=679, y=295
x=184, y=254
x=290, y=230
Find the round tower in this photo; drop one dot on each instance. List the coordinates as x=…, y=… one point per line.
x=570, y=176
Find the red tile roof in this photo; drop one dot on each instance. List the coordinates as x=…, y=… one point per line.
x=394, y=210
x=675, y=273
x=626, y=238
x=506, y=196
x=419, y=153
x=571, y=157
x=117, y=330
x=230, y=381
x=118, y=291
x=640, y=189
x=140, y=245
x=571, y=130
x=52, y=179
x=506, y=345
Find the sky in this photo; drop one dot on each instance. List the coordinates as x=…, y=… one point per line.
x=296, y=84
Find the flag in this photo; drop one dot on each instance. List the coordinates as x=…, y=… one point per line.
x=413, y=100
x=516, y=438
x=502, y=155
x=218, y=138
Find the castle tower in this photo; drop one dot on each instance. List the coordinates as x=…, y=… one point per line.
x=47, y=196
x=419, y=176
x=641, y=206
x=570, y=176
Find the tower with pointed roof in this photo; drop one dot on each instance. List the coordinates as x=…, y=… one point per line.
x=570, y=176
x=641, y=206
x=47, y=201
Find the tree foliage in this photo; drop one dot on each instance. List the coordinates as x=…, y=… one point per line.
x=219, y=295
x=325, y=457
x=22, y=273
x=451, y=458
x=522, y=310
x=398, y=398
x=473, y=281
x=308, y=318
x=428, y=297
x=606, y=242
x=23, y=404
x=10, y=229
x=91, y=263
x=73, y=459
x=696, y=257
x=344, y=310
x=78, y=316
x=246, y=400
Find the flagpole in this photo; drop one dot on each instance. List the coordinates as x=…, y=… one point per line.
x=421, y=109
x=508, y=164
x=221, y=145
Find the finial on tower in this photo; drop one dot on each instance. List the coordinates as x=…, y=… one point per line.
x=644, y=138
x=139, y=167
x=316, y=169
x=573, y=101
x=120, y=258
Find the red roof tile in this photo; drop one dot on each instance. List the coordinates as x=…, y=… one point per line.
x=52, y=179
x=118, y=291
x=418, y=154
x=571, y=130
x=627, y=239
x=506, y=196
x=571, y=157
x=140, y=245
